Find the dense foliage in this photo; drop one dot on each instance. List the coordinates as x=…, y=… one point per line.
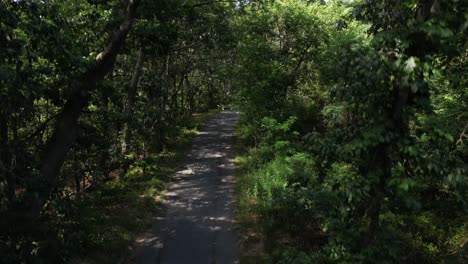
x=94, y=96
x=355, y=126
x=353, y=132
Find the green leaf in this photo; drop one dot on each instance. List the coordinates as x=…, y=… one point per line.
x=410, y=64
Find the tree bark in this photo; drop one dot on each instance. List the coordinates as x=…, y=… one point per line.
x=131, y=99
x=424, y=8
x=166, y=84
x=382, y=162
x=189, y=96
x=67, y=128
x=5, y=170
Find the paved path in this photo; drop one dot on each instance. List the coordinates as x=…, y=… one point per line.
x=198, y=223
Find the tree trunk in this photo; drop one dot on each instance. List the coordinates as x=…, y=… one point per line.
x=182, y=95
x=131, y=99
x=67, y=128
x=210, y=95
x=104, y=160
x=76, y=172
x=165, y=89
x=382, y=163
x=5, y=171
x=189, y=96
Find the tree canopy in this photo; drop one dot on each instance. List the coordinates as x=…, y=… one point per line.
x=352, y=140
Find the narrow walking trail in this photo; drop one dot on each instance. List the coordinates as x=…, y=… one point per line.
x=197, y=225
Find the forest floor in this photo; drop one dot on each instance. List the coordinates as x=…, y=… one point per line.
x=197, y=223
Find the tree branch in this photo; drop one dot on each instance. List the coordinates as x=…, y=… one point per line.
x=67, y=128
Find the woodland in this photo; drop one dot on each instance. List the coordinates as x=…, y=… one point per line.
x=352, y=143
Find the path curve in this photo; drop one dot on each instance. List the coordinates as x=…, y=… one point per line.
x=198, y=223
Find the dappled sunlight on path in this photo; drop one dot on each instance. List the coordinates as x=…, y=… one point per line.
x=197, y=225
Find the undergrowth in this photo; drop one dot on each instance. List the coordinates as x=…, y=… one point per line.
x=295, y=209
x=109, y=218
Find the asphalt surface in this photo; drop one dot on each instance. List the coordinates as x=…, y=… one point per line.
x=197, y=225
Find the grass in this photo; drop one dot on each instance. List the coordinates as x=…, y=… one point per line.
x=252, y=235
x=112, y=216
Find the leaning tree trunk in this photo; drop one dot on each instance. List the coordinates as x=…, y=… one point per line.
x=131, y=100
x=67, y=128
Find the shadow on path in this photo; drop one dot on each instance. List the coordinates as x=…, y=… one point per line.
x=198, y=225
